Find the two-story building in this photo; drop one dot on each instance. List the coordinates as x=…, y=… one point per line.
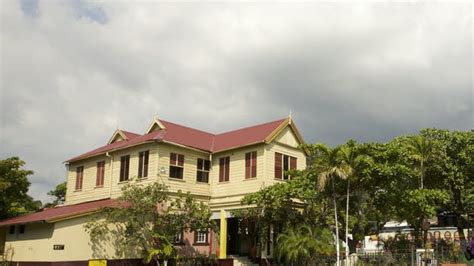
x=218, y=169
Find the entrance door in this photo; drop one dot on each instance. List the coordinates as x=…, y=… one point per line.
x=233, y=236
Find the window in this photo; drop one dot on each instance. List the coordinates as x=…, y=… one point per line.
x=124, y=167
x=200, y=237
x=224, y=163
x=79, y=176
x=202, y=174
x=250, y=164
x=176, y=165
x=178, y=238
x=283, y=163
x=99, y=180
x=11, y=230
x=22, y=229
x=143, y=164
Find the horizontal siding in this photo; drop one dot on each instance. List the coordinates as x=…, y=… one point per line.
x=237, y=184
x=188, y=183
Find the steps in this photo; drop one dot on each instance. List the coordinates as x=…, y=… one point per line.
x=242, y=261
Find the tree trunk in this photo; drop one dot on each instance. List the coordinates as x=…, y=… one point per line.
x=337, y=227
x=347, y=219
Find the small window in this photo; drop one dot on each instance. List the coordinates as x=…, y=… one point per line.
x=250, y=164
x=143, y=164
x=203, y=167
x=22, y=229
x=283, y=164
x=178, y=238
x=176, y=165
x=200, y=237
x=11, y=230
x=124, y=167
x=224, y=171
x=99, y=181
x=79, y=177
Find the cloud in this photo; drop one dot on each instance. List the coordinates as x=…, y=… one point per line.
x=74, y=71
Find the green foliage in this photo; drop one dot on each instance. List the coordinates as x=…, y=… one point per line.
x=145, y=221
x=59, y=194
x=303, y=243
x=14, y=185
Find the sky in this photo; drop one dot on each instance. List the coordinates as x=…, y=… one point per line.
x=72, y=72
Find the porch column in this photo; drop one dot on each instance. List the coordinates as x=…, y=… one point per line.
x=223, y=237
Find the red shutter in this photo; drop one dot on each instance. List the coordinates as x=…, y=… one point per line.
x=293, y=163
x=127, y=166
x=180, y=159
x=102, y=174
x=79, y=172
x=221, y=169
x=145, y=164
x=227, y=164
x=173, y=158
x=247, y=165
x=254, y=164
x=278, y=170
x=140, y=164
x=122, y=168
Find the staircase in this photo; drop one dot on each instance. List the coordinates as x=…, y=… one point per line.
x=243, y=261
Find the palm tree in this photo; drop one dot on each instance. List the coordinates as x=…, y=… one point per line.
x=332, y=167
x=303, y=242
x=352, y=159
x=422, y=149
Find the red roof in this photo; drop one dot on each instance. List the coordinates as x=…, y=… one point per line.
x=193, y=138
x=60, y=212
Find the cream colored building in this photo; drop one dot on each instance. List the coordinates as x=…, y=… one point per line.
x=215, y=168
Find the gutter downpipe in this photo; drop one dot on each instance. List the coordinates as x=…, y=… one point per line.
x=111, y=172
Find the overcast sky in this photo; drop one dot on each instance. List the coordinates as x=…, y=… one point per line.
x=74, y=71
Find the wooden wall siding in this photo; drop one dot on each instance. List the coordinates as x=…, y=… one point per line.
x=237, y=184
x=287, y=137
x=89, y=190
x=188, y=183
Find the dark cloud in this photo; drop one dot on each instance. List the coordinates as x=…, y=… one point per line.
x=367, y=71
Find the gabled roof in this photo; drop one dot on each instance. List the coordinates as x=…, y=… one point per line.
x=181, y=135
x=61, y=212
x=124, y=135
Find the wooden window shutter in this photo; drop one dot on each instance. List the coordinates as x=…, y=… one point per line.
x=97, y=177
x=278, y=169
x=254, y=164
x=173, y=158
x=293, y=163
x=247, y=165
x=180, y=159
x=221, y=169
x=140, y=164
x=145, y=164
x=127, y=166
x=227, y=170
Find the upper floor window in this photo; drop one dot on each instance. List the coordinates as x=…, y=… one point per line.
x=99, y=180
x=176, y=165
x=200, y=237
x=203, y=167
x=224, y=164
x=143, y=164
x=124, y=167
x=178, y=238
x=79, y=177
x=250, y=164
x=284, y=163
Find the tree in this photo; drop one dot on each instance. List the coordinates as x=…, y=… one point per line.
x=146, y=220
x=353, y=160
x=59, y=194
x=422, y=149
x=304, y=243
x=329, y=166
x=14, y=185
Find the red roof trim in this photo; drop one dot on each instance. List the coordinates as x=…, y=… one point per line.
x=60, y=212
x=194, y=138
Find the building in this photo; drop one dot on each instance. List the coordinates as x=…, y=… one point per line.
x=218, y=169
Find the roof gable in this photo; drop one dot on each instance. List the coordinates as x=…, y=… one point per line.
x=155, y=125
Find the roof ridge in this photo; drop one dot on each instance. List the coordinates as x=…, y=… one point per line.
x=247, y=127
x=200, y=130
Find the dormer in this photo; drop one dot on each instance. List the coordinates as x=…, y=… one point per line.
x=155, y=125
x=118, y=135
